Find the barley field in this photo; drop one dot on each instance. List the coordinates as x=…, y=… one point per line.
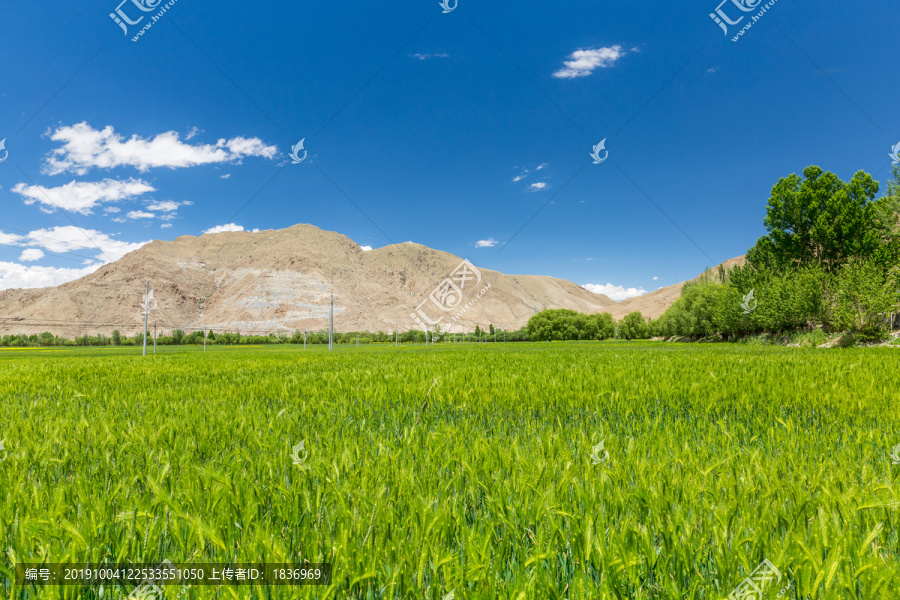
x=513, y=471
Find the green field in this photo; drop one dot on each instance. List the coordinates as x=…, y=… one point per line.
x=714, y=458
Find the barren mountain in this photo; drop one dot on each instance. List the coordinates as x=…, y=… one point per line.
x=283, y=280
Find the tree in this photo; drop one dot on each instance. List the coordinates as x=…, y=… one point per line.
x=477, y=332
x=860, y=297
x=821, y=220
x=605, y=326
x=177, y=336
x=492, y=329
x=633, y=327
x=116, y=338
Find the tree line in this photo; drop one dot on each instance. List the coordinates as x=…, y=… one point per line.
x=180, y=338
x=830, y=261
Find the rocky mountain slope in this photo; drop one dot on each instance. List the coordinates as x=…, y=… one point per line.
x=282, y=280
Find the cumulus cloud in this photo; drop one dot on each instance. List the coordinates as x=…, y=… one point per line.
x=614, y=292
x=59, y=240
x=15, y=275
x=31, y=255
x=488, y=243
x=165, y=225
x=82, y=196
x=70, y=239
x=139, y=214
x=582, y=63
x=536, y=187
x=223, y=228
x=10, y=239
x=655, y=278
x=84, y=148
x=165, y=205
x=366, y=248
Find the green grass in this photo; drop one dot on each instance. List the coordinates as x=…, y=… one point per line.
x=720, y=456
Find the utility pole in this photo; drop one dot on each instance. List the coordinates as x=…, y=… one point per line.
x=426, y=335
x=304, y=339
x=146, y=315
x=397, y=334
x=331, y=326
x=204, y=340
x=154, y=337
x=357, y=339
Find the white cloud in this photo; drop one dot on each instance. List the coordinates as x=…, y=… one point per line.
x=223, y=228
x=427, y=56
x=488, y=243
x=582, y=63
x=192, y=133
x=519, y=178
x=10, y=239
x=70, y=239
x=14, y=275
x=712, y=69
x=165, y=205
x=112, y=209
x=81, y=196
x=615, y=292
x=226, y=176
x=655, y=278
x=536, y=187
x=366, y=248
x=84, y=148
x=165, y=226
x=543, y=166
x=139, y=214
x=31, y=255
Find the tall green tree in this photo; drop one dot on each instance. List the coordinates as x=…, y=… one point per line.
x=821, y=220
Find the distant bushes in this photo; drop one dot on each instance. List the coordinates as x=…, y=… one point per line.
x=562, y=324
x=179, y=337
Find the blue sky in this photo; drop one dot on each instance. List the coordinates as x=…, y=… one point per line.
x=447, y=129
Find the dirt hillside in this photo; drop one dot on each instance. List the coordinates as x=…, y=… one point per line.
x=282, y=280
